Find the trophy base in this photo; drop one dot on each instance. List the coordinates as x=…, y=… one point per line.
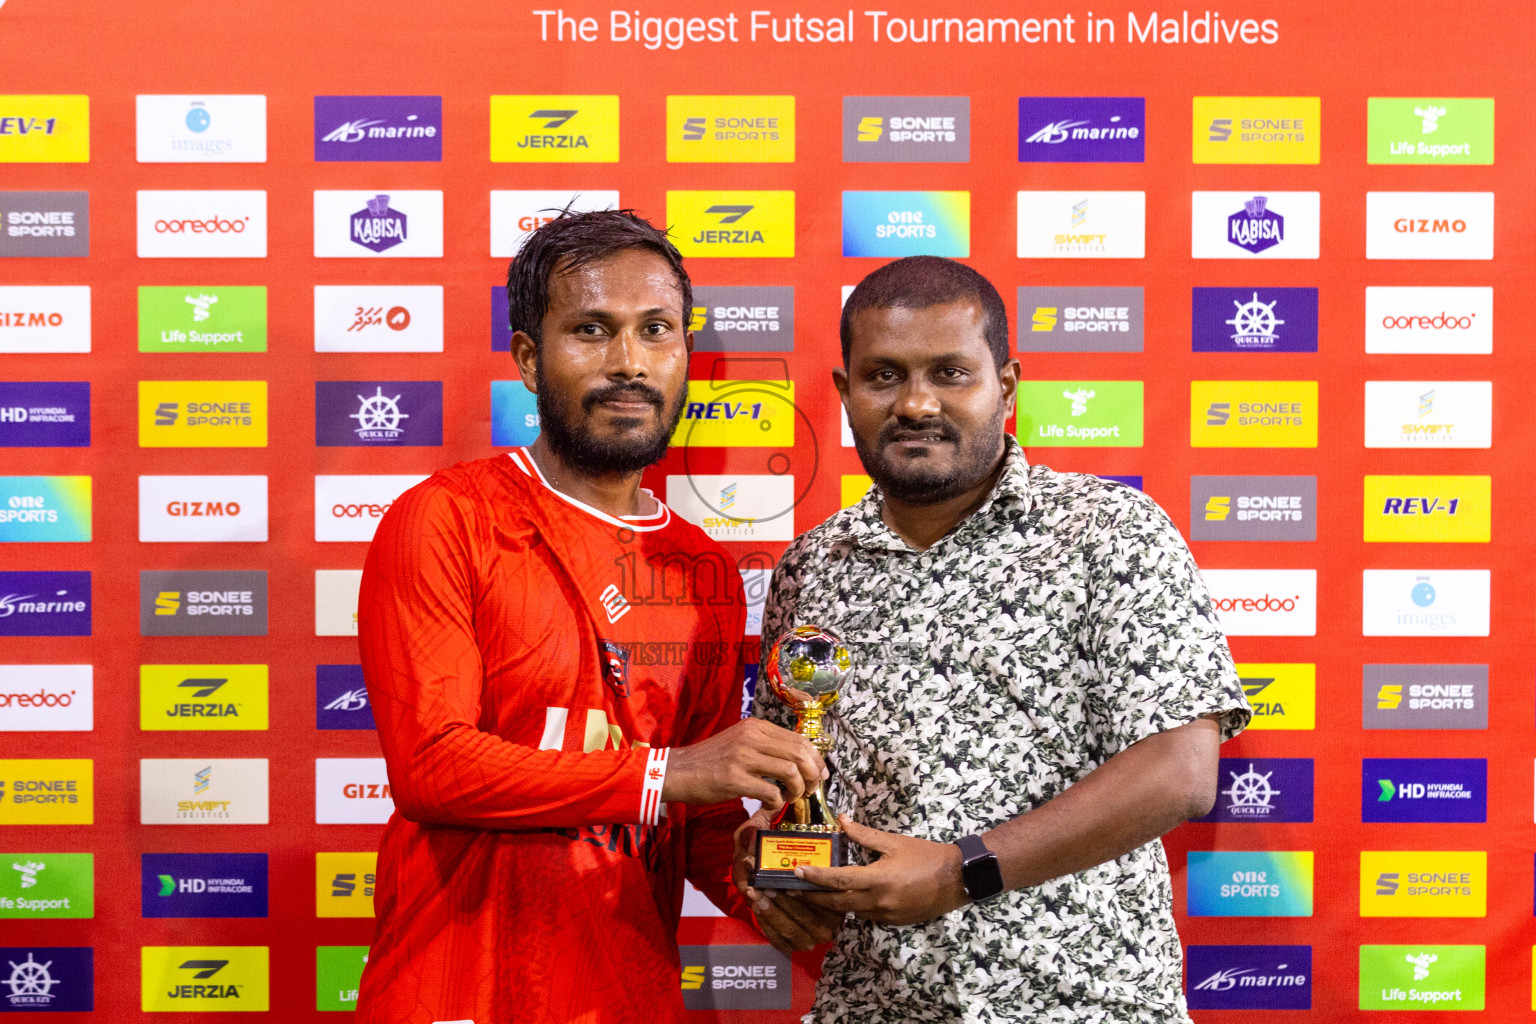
x=780, y=851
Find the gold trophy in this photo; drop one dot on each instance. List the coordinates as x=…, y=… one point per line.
x=805, y=669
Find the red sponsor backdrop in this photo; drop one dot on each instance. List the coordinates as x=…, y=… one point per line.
x=465, y=52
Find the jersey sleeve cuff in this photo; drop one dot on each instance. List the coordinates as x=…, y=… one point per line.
x=652, y=810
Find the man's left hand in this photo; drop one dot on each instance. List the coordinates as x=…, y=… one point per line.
x=914, y=880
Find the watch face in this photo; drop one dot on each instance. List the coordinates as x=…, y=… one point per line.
x=982, y=876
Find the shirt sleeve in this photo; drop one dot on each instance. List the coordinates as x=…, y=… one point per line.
x=1161, y=657
x=416, y=632
x=778, y=616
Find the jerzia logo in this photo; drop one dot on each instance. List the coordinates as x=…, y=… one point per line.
x=182, y=978
x=733, y=223
x=554, y=129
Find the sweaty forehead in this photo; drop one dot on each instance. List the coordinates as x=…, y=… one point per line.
x=633, y=279
x=900, y=334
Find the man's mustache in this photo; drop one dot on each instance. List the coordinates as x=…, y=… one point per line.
x=633, y=391
x=901, y=430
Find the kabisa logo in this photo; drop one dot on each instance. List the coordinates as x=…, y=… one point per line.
x=377, y=227
x=1428, y=414
x=45, y=318
x=382, y=224
x=1422, y=977
x=190, y=978
x=47, y=698
x=1082, y=225
x=45, y=224
x=47, y=885
x=1429, y=225
x=1067, y=319
x=379, y=128
x=1249, y=977
x=1428, y=509
x=1257, y=129
x=205, y=318
x=1447, y=602
x=1072, y=413
x=201, y=129
x=352, y=791
x=1082, y=129
x=1243, y=225
x=1416, y=883
x=907, y=129
x=47, y=978
x=344, y=884
x=341, y=698
x=730, y=129
x=43, y=791
x=1429, y=320
x=1282, y=696
x=746, y=318
x=45, y=414
x=202, y=602
x=45, y=129
x=1250, y=884
x=1424, y=790
x=1262, y=508
x=735, y=978
x=733, y=223
x=1264, y=602
x=896, y=224
x=554, y=129
x=203, y=884
x=48, y=509
x=388, y=413
x=1256, y=227
x=1254, y=320
x=1429, y=131
x=45, y=604
x=199, y=791
x=1425, y=696
x=1263, y=790
x=202, y=697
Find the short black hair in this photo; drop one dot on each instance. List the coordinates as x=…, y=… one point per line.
x=918, y=282
x=573, y=240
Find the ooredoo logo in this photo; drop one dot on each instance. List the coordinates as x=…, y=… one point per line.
x=1424, y=321
x=46, y=698
x=348, y=508
x=200, y=225
x=1264, y=602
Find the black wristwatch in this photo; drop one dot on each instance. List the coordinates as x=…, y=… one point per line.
x=979, y=871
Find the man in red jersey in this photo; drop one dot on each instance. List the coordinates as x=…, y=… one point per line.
x=553, y=659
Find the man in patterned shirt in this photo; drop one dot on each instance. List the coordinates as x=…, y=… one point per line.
x=1039, y=690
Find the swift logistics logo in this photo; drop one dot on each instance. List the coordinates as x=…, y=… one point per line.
x=1260, y=790
x=203, y=318
x=1054, y=318
x=1082, y=129
x=378, y=413
x=1428, y=509
x=338, y=976
x=1422, y=977
x=906, y=129
x=45, y=604
x=42, y=791
x=344, y=884
x=555, y=129
x=1428, y=414
x=1257, y=130
x=1082, y=225
x=731, y=129
x=348, y=508
x=352, y=791
x=1429, y=225
x=514, y=414
x=739, y=507
x=1410, y=602
x=203, y=884
x=1424, y=696
x=363, y=224
x=217, y=602
x=45, y=129
x=1247, y=225
x=1250, y=884
x=202, y=414
x=1080, y=413
x=202, y=225
x=45, y=414
x=378, y=318
x=336, y=601
x=1262, y=508
x=1415, y=883
x=1249, y=977
x=1440, y=789
x=1282, y=695
x=1429, y=131
x=379, y=128
x=45, y=509
x=45, y=223
x=517, y=214
x=183, y=698
x=1264, y=602
x=45, y=319
x=1254, y=320
x=895, y=224
x=1253, y=414
x=201, y=129
x=743, y=318
x=755, y=977
x=209, y=509
x=47, y=698
x=738, y=414
x=47, y=885
x=733, y=223
x=1427, y=321
x=203, y=791
x=206, y=978
x=47, y=978
x=341, y=698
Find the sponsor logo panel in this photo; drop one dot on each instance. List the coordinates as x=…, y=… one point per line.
x=203, y=318
x=1424, y=789
x=203, y=791
x=214, y=602
x=1253, y=413
x=1428, y=509
x=47, y=698
x=43, y=791
x=206, y=978
x=1429, y=131
x=202, y=414
x=45, y=319
x=501, y=312
x=853, y=487
x=1254, y=320
x=379, y=318
x=1429, y=225
x=514, y=414
x=45, y=509
x=394, y=224
x=1424, y=696
x=1249, y=977
x=731, y=129
x=45, y=223
x=1439, y=602
x=555, y=129
x=1428, y=414
x=906, y=129
x=754, y=585
x=737, y=414
x=378, y=413
x=1066, y=319
x=344, y=884
x=341, y=698
x=1257, y=130
x=211, y=509
x=1080, y=413
x=1262, y=508
x=740, y=507
x=352, y=791
x=44, y=414
x=1429, y=320
x=1250, y=884
x=1082, y=129
x=733, y=224
x=45, y=129
x=45, y=604
x=1404, y=883
x=203, y=884
x=348, y=508
x=379, y=128
x=1082, y=225
x=516, y=215
x=338, y=976
x=755, y=977
x=743, y=318
x=1250, y=225
x=1264, y=602
x=202, y=697
x=202, y=225
x=47, y=885
x=1258, y=790
x=336, y=601
x=1422, y=977
x=201, y=129
x=1282, y=695
x=47, y=978
x=896, y=224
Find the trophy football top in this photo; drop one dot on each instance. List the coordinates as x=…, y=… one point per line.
x=807, y=666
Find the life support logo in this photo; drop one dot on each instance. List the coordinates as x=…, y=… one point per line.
x=1436, y=130
x=1422, y=977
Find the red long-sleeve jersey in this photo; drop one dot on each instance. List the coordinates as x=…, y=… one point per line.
x=530, y=661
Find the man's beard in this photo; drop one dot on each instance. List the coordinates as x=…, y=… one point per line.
x=915, y=480
x=629, y=451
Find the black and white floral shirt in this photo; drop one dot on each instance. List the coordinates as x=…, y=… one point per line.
x=1057, y=625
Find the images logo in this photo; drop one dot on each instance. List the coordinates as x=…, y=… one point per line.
x=218, y=509
x=378, y=413
x=203, y=884
x=737, y=414
x=1063, y=319
x=1424, y=790
x=1082, y=129
x=45, y=414
x=740, y=224
x=1265, y=508
x=1429, y=131
x=1428, y=509
x=352, y=791
x=39, y=791
x=202, y=225
x=1249, y=977
x=1429, y=225
x=37, y=978
x=45, y=509
x=45, y=318
x=1422, y=977
x=203, y=318
x=740, y=507
x=338, y=975
x=744, y=318
x=47, y=885
x=45, y=223
x=731, y=129
x=514, y=414
x=1255, y=320
x=202, y=697
x=187, y=978
x=378, y=318
x=895, y=224
x=45, y=604
x=1253, y=413
x=45, y=129
x=1407, y=602
x=1428, y=414
x=204, y=791
x=516, y=215
x=1082, y=225
x=1258, y=884
x=555, y=129
x=1070, y=413
x=1257, y=129
x=1264, y=602
x=201, y=129
x=348, y=508
x=344, y=884
x=395, y=224
x=341, y=698
x=379, y=128
x=1422, y=321
x=906, y=129
x=1401, y=883
x=1425, y=696
x=215, y=602
x=735, y=978
x=1242, y=225
x=202, y=414
x=1277, y=789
